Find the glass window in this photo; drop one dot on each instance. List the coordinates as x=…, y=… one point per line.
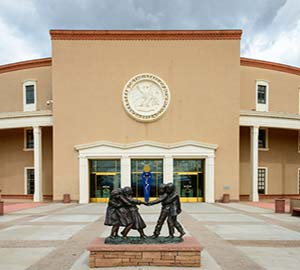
x=189, y=177
x=29, y=140
x=298, y=181
x=188, y=165
x=30, y=181
x=261, y=94
x=30, y=94
x=104, y=177
x=298, y=141
x=103, y=165
x=261, y=174
x=262, y=138
x=137, y=168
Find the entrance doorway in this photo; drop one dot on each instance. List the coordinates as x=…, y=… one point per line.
x=189, y=179
x=137, y=168
x=104, y=177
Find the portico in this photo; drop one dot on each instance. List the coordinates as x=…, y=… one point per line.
x=146, y=150
x=264, y=120
x=29, y=120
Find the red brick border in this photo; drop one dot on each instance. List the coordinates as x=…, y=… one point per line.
x=145, y=34
x=43, y=62
x=269, y=65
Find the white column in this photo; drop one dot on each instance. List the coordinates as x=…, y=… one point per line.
x=125, y=171
x=168, y=169
x=38, y=171
x=254, y=162
x=210, y=179
x=83, y=180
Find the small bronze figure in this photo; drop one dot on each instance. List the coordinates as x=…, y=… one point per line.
x=171, y=208
x=117, y=214
x=137, y=220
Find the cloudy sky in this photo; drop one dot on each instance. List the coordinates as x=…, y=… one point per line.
x=271, y=28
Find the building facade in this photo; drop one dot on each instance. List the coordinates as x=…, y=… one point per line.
x=109, y=105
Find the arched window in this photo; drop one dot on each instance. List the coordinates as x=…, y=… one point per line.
x=29, y=96
x=262, y=96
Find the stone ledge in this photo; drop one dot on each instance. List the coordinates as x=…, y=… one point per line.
x=186, y=253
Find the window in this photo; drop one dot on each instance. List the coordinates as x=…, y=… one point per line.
x=189, y=178
x=262, y=180
x=105, y=176
x=29, y=180
x=263, y=136
x=299, y=101
x=29, y=96
x=28, y=139
x=262, y=96
x=298, y=181
x=299, y=141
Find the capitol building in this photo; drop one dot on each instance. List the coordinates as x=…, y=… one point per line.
x=182, y=104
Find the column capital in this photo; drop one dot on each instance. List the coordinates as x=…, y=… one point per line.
x=37, y=129
x=254, y=128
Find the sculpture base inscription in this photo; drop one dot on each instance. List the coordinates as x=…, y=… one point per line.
x=183, y=254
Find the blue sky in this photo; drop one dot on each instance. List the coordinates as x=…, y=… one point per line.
x=271, y=28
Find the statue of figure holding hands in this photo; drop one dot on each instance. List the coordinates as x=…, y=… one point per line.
x=171, y=208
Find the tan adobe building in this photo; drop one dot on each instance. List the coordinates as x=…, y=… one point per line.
x=182, y=104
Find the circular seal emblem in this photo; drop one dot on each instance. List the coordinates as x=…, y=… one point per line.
x=146, y=97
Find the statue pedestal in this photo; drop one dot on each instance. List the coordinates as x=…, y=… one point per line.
x=186, y=253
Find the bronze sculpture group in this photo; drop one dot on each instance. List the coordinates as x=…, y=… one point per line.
x=122, y=211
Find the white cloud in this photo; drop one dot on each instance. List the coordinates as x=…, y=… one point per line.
x=271, y=28
x=284, y=48
x=280, y=40
x=14, y=47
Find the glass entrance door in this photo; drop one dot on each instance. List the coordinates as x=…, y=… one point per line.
x=156, y=169
x=189, y=179
x=104, y=177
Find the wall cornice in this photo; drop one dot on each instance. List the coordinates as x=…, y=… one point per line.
x=269, y=65
x=26, y=119
x=42, y=62
x=270, y=119
x=145, y=34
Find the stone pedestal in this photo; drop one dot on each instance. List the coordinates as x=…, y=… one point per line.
x=226, y=198
x=280, y=206
x=1, y=208
x=184, y=254
x=66, y=198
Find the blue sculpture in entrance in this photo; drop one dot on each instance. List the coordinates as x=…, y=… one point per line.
x=146, y=179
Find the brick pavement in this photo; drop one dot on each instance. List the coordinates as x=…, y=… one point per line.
x=234, y=236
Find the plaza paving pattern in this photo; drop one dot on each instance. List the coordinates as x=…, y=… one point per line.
x=234, y=236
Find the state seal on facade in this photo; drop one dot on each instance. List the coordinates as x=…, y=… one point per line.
x=146, y=97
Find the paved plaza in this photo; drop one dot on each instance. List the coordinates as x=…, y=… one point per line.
x=234, y=236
